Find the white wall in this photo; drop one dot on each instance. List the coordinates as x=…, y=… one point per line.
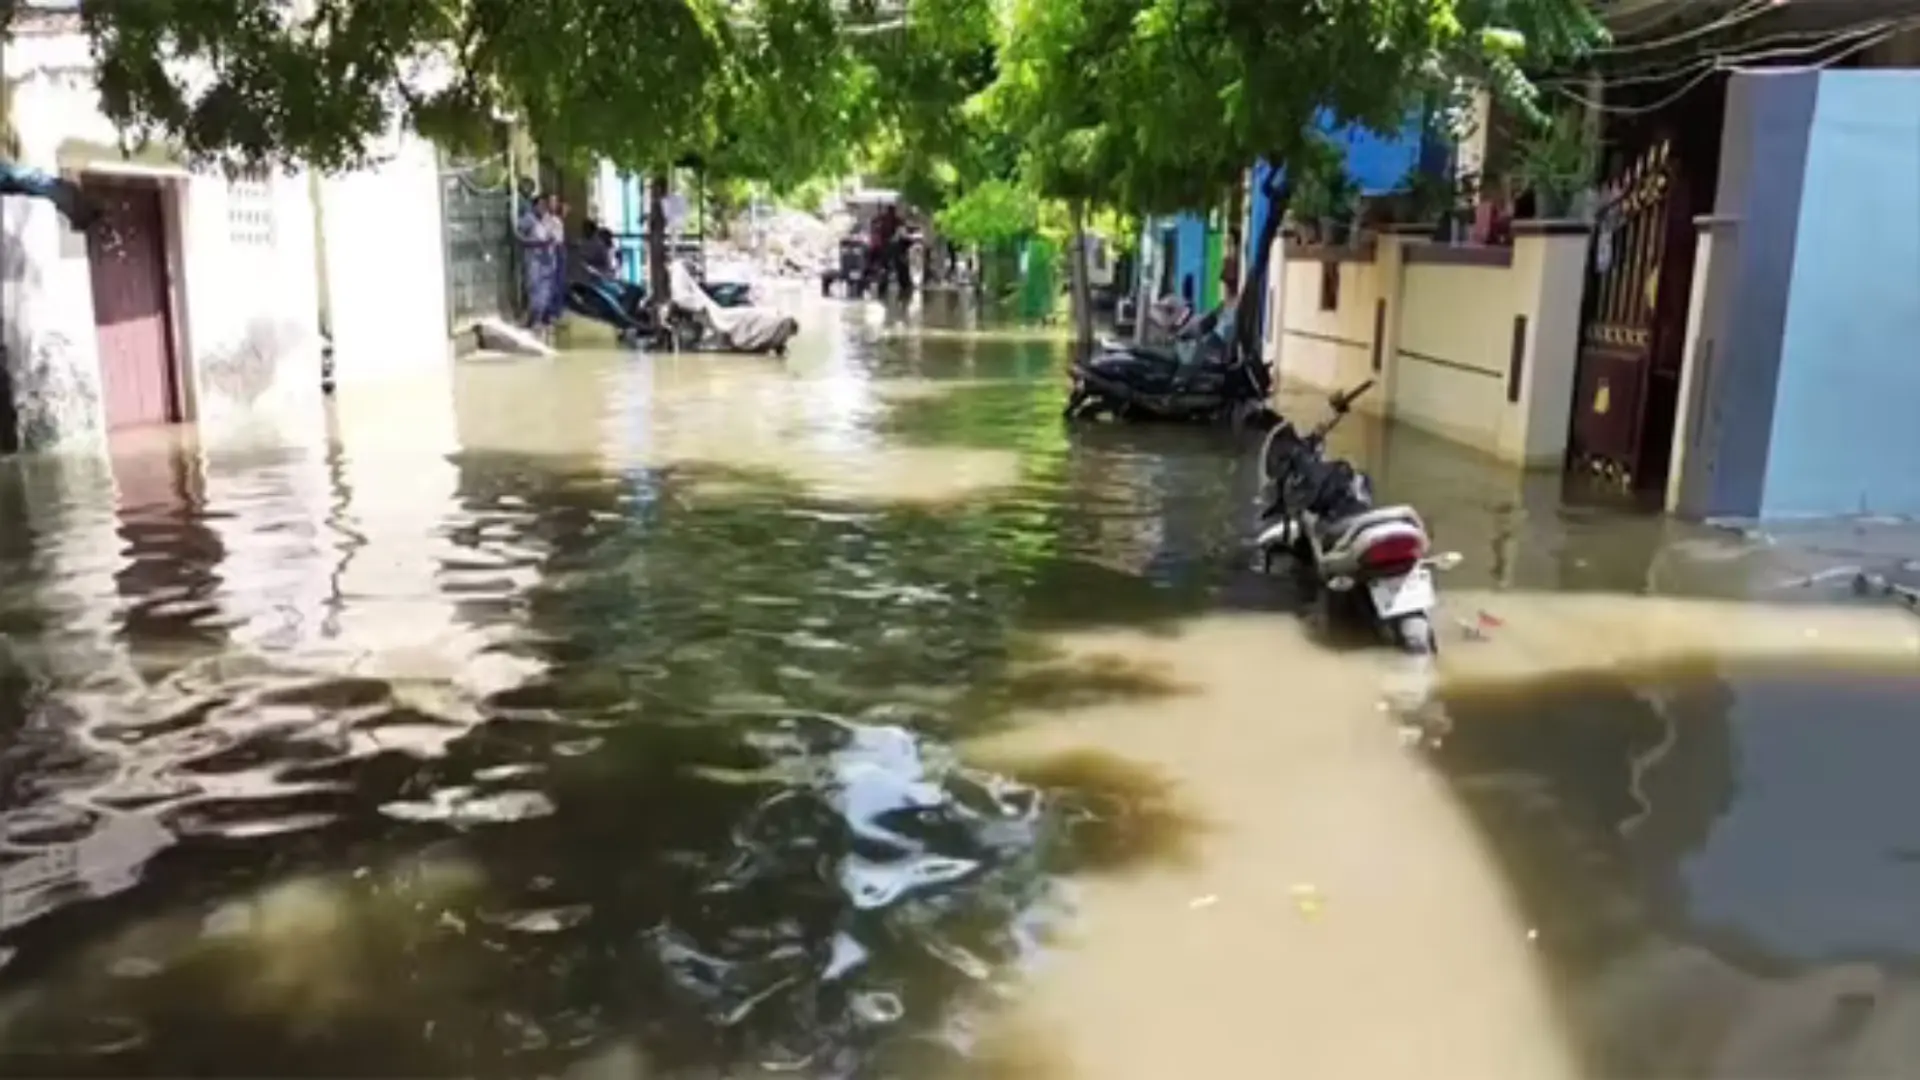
x=252, y=303
x=247, y=312
x=386, y=267
x=46, y=291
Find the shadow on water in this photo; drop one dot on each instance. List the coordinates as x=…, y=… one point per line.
x=1719, y=863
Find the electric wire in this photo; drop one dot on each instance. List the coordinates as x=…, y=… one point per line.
x=1753, y=9
x=1816, y=41
x=1719, y=65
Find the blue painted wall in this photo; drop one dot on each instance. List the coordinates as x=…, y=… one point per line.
x=1259, y=206
x=1190, y=256
x=1743, y=315
x=1378, y=163
x=1846, y=419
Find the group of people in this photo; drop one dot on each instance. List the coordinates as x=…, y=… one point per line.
x=550, y=273
x=542, y=233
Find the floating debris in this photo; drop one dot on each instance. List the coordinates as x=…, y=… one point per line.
x=877, y=1006
x=134, y=967
x=1870, y=584
x=540, y=920
x=461, y=806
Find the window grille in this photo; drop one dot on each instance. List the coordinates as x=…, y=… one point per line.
x=250, y=211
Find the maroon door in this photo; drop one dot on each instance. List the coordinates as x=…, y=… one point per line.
x=127, y=250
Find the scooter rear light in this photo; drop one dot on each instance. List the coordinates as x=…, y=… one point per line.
x=1395, y=554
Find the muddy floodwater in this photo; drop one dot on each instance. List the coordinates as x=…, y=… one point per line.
x=847, y=715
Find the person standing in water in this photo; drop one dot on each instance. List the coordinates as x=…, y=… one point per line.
x=542, y=249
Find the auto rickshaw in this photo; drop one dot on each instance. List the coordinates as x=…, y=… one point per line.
x=851, y=273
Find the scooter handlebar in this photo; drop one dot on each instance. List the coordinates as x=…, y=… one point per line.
x=1340, y=402
x=1344, y=401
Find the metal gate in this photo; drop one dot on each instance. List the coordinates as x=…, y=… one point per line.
x=1639, y=274
x=476, y=218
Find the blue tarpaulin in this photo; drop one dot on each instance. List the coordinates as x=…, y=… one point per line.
x=1377, y=163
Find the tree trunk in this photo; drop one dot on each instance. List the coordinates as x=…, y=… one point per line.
x=658, y=283
x=1236, y=224
x=1147, y=270
x=1247, y=310
x=1077, y=268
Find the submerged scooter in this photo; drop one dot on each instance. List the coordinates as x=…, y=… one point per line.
x=1202, y=377
x=1373, y=560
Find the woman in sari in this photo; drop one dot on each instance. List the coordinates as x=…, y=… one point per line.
x=542, y=246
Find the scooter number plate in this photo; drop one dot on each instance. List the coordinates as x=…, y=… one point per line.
x=1403, y=595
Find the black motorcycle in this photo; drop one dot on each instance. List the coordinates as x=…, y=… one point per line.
x=1199, y=378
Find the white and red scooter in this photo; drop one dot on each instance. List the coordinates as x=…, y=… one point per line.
x=1373, y=558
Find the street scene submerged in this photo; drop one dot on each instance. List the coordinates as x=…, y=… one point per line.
x=595, y=724
x=973, y=539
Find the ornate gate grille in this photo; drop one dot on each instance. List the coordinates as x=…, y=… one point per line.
x=476, y=217
x=1635, y=277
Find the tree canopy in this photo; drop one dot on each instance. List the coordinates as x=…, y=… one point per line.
x=765, y=88
x=1150, y=105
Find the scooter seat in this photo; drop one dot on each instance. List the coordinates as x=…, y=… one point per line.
x=1342, y=529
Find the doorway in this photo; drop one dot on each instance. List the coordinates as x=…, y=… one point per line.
x=127, y=257
x=9, y=419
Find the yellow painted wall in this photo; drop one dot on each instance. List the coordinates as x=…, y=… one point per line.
x=1447, y=340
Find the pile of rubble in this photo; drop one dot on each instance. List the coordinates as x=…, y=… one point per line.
x=781, y=243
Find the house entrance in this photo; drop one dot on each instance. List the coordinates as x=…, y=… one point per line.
x=127, y=254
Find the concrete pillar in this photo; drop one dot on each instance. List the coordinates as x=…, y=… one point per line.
x=1695, y=371
x=1551, y=256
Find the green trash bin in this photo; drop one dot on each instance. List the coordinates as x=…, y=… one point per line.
x=1038, y=292
x=1216, y=258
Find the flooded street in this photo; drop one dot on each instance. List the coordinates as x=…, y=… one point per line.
x=848, y=715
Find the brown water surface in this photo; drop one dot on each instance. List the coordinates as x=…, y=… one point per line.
x=847, y=715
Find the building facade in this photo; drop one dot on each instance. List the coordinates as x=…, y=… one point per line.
x=201, y=296
x=194, y=298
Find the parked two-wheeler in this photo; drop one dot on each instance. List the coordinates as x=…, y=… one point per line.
x=1372, y=560
x=1200, y=378
x=699, y=323
x=623, y=306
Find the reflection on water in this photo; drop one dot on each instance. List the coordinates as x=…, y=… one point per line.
x=624, y=716
x=671, y=726
x=1719, y=861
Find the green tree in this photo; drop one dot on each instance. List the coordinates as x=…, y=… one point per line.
x=1244, y=79
x=754, y=89
x=1161, y=105
x=1057, y=68
x=914, y=128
